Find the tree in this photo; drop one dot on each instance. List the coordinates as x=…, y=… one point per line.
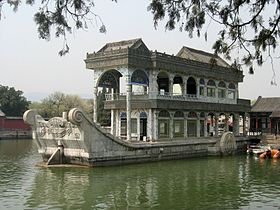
x=12, y=102
x=236, y=18
x=56, y=103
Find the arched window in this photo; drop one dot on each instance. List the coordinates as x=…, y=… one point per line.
x=231, y=86
x=231, y=91
x=163, y=124
x=163, y=113
x=191, y=86
x=178, y=124
x=221, y=90
x=179, y=114
x=201, y=87
x=109, y=79
x=211, y=88
x=139, y=77
x=202, y=115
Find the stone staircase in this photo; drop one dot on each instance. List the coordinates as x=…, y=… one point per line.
x=271, y=139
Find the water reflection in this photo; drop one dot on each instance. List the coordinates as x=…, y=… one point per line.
x=213, y=183
x=238, y=182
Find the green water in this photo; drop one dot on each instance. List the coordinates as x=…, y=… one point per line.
x=238, y=182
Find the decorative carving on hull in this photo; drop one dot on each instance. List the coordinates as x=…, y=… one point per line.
x=58, y=127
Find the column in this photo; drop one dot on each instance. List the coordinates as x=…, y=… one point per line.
x=205, y=125
x=248, y=120
x=128, y=109
x=198, y=127
x=95, y=91
x=226, y=123
x=171, y=86
x=236, y=125
x=216, y=125
x=155, y=133
x=138, y=127
x=186, y=124
x=112, y=94
x=197, y=88
x=216, y=91
x=117, y=121
x=184, y=88
x=113, y=122
x=150, y=125
x=244, y=124
x=171, y=125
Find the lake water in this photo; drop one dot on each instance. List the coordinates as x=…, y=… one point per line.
x=236, y=182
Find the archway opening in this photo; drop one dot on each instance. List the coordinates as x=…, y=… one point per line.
x=163, y=83
x=191, y=86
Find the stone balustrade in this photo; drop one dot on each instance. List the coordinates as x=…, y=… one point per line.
x=168, y=96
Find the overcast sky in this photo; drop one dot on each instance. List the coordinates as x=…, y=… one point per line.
x=33, y=65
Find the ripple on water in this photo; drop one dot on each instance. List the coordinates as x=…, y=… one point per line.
x=201, y=183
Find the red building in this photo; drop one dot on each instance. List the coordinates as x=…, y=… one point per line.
x=265, y=116
x=13, y=127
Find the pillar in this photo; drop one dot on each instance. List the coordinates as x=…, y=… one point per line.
x=171, y=125
x=128, y=110
x=226, y=123
x=95, y=91
x=171, y=86
x=186, y=124
x=113, y=122
x=236, y=125
x=197, y=88
x=117, y=123
x=138, y=127
x=205, y=125
x=112, y=94
x=184, y=88
x=155, y=133
x=198, y=127
x=247, y=119
x=150, y=126
x=216, y=125
x=216, y=91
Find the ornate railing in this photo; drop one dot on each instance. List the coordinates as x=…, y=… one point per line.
x=168, y=96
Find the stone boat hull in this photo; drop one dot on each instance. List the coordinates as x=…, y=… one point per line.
x=75, y=139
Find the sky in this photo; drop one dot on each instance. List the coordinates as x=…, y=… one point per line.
x=33, y=65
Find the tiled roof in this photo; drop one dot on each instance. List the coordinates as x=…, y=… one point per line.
x=201, y=56
x=267, y=105
x=275, y=114
x=133, y=43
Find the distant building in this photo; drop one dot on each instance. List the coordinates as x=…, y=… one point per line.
x=13, y=127
x=265, y=115
x=2, y=118
x=191, y=94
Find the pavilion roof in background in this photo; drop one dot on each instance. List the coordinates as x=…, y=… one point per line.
x=271, y=104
